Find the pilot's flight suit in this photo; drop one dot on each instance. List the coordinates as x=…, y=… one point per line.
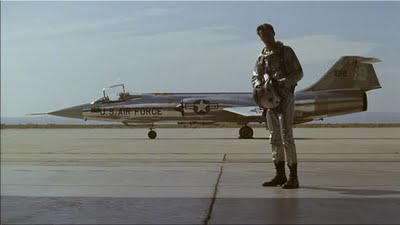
x=283, y=66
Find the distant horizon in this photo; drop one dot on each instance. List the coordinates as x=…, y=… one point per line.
x=361, y=117
x=35, y=116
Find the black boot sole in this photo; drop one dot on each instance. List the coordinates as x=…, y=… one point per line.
x=273, y=185
x=291, y=187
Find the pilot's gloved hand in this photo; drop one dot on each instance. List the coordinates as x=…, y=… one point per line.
x=284, y=88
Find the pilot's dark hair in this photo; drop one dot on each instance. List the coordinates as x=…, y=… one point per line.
x=265, y=26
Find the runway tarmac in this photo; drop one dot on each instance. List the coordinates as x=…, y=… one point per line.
x=196, y=176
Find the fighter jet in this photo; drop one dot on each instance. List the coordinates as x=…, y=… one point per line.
x=341, y=90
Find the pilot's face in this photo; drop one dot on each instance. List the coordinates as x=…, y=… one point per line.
x=266, y=36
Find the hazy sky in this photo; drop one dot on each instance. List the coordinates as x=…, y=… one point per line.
x=59, y=54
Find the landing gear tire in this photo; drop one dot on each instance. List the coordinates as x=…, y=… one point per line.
x=152, y=134
x=246, y=132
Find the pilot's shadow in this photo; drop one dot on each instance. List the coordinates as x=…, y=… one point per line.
x=362, y=192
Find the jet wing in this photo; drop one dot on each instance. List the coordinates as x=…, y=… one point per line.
x=245, y=111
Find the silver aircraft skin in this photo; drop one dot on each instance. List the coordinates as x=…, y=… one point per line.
x=341, y=90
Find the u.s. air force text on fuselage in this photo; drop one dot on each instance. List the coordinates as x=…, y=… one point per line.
x=120, y=111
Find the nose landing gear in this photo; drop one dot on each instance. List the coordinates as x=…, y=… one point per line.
x=152, y=134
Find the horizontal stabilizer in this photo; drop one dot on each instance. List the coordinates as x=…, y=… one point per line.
x=245, y=111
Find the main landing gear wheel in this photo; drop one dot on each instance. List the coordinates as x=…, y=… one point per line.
x=246, y=132
x=152, y=134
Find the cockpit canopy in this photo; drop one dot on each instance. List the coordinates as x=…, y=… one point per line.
x=122, y=96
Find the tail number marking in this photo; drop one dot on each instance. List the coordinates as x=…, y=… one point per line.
x=340, y=73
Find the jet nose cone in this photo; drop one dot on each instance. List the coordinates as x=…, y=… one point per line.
x=72, y=112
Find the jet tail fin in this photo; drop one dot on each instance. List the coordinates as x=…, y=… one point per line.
x=349, y=72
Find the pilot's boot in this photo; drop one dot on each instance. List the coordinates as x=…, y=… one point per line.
x=280, y=176
x=293, y=182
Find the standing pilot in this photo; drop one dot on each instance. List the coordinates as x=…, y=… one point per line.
x=280, y=64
